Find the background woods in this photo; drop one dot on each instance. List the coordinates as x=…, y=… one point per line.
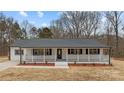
x=106, y=27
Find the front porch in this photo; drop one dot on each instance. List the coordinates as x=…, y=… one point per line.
x=65, y=55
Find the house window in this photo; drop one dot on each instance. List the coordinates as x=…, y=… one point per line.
x=75, y=51
x=94, y=51
x=48, y=51
x=17, y=52
x=72, y=51
x=38, y=52
x=105, y=51
x=80, y=51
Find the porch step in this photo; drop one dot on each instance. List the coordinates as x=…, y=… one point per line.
x=62, y=63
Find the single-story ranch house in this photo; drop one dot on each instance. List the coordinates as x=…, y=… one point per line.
x=60, y=51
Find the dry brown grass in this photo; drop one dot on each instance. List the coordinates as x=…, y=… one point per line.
x=3, y=59
x=121, y=59
x=115, y=72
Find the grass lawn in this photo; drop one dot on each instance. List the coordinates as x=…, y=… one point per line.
x=115, y=72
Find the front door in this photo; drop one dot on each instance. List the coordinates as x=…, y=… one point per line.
x=59, y=53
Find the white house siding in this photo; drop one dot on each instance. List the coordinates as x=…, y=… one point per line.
x=28, y=52
x=13, y=56
x=83, y=58
x=64, y=50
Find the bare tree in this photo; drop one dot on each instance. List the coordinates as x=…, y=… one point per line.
x=73, y=22
x=57, y=29
x=115, y=18
x=91, y=24
x=26, y=27
x=77, y=24
x=108, y=30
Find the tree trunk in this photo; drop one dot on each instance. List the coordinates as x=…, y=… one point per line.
x=116, y=30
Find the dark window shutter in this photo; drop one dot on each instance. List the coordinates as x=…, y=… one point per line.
x=98, y=51
x=86, y=51
x=68, y=51
x=50, y=51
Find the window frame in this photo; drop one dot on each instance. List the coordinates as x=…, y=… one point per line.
x=72, y=51
x=80, y=51
x=48, y=52
x=94, y=51
x=17, y=52
x=38, y=52
x=105, y=51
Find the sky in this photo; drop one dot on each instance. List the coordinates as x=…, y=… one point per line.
x=37, y=18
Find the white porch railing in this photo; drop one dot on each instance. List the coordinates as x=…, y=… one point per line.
x=32, y=59
x=39, y=58
x=50, y=58
x=88, y=58
x=69, y=58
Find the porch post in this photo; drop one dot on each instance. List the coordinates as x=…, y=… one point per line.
x=44, y=55
x=32, y=58
x=109, y=55
x=20, y=56
x=32, y=55
x=25, y=54
x=67, y=54
x=77, y=55
x=100, y=56
x=55, y=50
x=89, y=55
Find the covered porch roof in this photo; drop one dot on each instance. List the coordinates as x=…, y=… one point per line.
x=58, y=43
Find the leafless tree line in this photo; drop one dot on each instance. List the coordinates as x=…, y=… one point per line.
x=89, y=25
x=76, y=24
x=104, y=26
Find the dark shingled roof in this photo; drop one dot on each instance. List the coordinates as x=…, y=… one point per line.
x=58, y=43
